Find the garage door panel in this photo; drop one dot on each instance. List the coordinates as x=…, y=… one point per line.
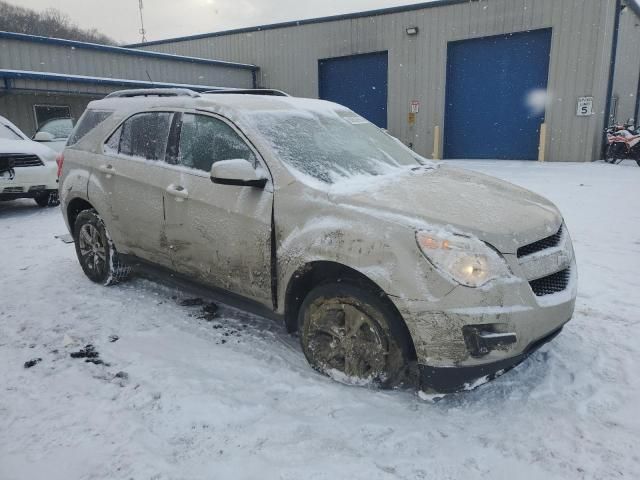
x=359, y=82
x=489, y=83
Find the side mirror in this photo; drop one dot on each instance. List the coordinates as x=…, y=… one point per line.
x=238, y=172
x=44, y=137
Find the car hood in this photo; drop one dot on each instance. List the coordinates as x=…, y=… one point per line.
x=499, y=213
x=27, y=147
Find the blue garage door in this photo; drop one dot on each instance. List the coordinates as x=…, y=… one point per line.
x=492, y=108
x=358, y=82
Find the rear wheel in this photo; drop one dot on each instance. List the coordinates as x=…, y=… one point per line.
x=96, y=252
x=348, y=333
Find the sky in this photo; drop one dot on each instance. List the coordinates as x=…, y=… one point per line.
x=120, y=20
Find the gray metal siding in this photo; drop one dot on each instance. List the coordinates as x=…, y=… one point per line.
x=580, y=54
x=627, y=77
x=44, y=57
x=19, y=107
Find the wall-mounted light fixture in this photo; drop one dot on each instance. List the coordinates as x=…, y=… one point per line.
x=412, y=30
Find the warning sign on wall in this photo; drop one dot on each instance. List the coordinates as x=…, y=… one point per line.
x=414, y=107
x=585, y=106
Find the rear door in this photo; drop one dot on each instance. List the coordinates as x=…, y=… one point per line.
x=134, y=176
x=220, y=234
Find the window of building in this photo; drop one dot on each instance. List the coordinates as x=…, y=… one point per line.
x=45, y=113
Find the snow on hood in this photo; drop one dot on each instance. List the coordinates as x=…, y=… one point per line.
x=500, y=213
x=28, y=147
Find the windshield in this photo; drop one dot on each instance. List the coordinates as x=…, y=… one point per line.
x=333, y=144
x=6, y=133
x=60, y=128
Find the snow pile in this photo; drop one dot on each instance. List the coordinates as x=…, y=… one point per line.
x=182, y=396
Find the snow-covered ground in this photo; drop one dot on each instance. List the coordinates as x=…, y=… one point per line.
x=233, y=398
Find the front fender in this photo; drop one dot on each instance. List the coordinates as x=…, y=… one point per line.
x=384, y=252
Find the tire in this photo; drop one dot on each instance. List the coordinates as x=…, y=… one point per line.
x=96, y=252
x=348, y=333
x=48, y=199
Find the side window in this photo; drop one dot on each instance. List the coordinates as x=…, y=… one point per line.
x=205, y=140
x=89, y=120
x=113, y=144
x=144, y=135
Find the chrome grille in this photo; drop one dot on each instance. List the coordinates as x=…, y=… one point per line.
x=554, y=283
x=549, y=242
x=23, y=160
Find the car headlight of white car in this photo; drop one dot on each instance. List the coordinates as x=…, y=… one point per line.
x=466, y=260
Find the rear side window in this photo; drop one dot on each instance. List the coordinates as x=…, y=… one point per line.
x=144, y=135
x=205, y=140
x=89, y=120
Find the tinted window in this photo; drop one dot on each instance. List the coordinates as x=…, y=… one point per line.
x=89, y=120
x=113, y=144
x=145, y=135
x=205, y=140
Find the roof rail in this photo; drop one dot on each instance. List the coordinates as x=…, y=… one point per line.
x=251, y=91
x=154, y=92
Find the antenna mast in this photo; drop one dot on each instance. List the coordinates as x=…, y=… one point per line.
x=142, y=30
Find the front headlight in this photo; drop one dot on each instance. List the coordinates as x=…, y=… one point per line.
x=466, y=260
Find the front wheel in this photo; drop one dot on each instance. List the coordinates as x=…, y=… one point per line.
x=96, y=252
x=348, y=333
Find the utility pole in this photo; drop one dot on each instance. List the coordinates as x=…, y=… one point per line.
x=142, y=30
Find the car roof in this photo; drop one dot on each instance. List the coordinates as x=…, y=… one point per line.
x=241, y=104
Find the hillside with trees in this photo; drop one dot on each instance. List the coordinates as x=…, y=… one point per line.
x=49, y=23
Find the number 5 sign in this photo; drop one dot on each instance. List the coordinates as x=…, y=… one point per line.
x=585, y=106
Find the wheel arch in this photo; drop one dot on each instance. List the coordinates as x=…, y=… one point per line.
x=74, y=208
x=316, y=273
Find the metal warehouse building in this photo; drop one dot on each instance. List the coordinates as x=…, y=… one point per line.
x=43, y=78
x=458, y=78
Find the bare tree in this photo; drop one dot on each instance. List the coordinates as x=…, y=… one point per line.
x=50, y=23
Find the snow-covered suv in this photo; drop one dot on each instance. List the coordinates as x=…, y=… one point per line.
x=391, y=268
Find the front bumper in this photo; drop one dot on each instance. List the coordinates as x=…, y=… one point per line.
x=29, y=182
x=471, y=333
x=455, y=379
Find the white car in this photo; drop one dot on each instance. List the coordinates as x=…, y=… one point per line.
x=27, y=169
x=55, y=133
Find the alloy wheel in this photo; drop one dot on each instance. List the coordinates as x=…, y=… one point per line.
x=93, y=252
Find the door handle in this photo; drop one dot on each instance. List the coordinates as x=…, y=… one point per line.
x=107, y=169
x=178, y=191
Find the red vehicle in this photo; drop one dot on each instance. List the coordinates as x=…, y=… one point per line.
x=623, y=143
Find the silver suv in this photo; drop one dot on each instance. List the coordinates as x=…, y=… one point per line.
x=391, y=268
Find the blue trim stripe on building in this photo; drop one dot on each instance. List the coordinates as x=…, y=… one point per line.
x=120, y=82
x=123, y=50
x=297, y=23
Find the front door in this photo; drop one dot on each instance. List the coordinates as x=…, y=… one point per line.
x=220, y=234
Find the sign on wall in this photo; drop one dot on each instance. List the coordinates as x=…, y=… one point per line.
x=585, y=106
